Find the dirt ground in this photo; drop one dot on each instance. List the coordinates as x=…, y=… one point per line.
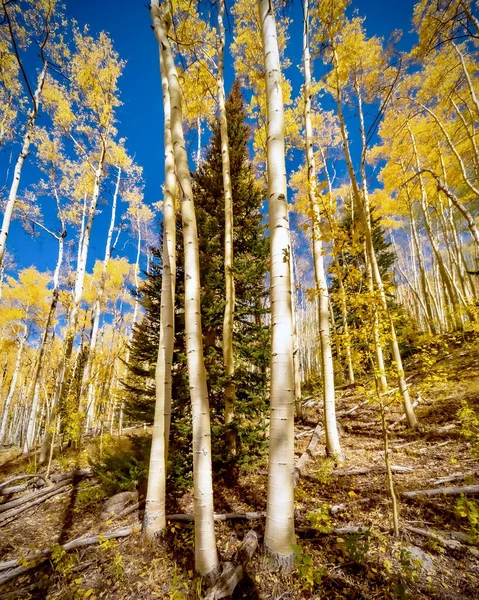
x=369, y=564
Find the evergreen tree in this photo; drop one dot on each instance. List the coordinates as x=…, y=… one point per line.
x=251, y=328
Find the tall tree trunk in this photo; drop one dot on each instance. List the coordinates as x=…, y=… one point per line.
x=13, y=384
x=62, y=379
x=333, y=446
x=279, y=533
x=32, y=420
x=296, y=361
x=206, y=557
x=228, y=356
x=17, y=173
x=362, y=202
x=155, y=511
x=87, y=398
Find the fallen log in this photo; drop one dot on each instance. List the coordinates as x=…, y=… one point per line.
x=447, y=491
x=6, y=506
x=232, y=572
x=446, y=428
x=345, y=413
x=337, y=508
x=454, y=477
x=303, y=434
x=48, y=493
x=308, y=453
x=346, y=530
x=4, y=490
x=448, y=543
x=75, y=474
x=127, y=511
x=374, y=469
x=39, y=558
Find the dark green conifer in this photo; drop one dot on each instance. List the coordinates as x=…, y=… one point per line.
x=251, y=329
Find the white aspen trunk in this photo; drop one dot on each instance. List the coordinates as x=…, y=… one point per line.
x=296, y=361
x=228, y=320
x=279, y=532
x=470, y=132
x=454, y=150
x=339, y=275
x=32, y=419
x=363, y=204
x=333, y=446
x=455, y=295
x=206, y=557
x=426, y=290
x=155, y=511
x=13, y=384
x=17, y=173
x=466, y=7
x=82, y=231
x=86, y=391
x=198, y=148
x=467, y=75
x=356, y=197
x=60, y=384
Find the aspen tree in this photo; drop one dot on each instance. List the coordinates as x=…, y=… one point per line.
x=332, y=438
x=228, y=357
x=94, y=72
x=52, y=160
x=206, y=558
x=25, y=305
x=279, y=533
x=352, y=58
x=155, y=512
x=36, y=21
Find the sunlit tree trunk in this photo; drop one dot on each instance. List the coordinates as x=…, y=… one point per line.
x=34, y=399
x=206, y=557
x=296, y=361
x=17, y=173
x=228, y=356
x=155, y=513
x=13, y=383
x=87, y=398
x=454, y=293
x=365, y=213
x=279, y=533
x=333, y=446
x=61, y=379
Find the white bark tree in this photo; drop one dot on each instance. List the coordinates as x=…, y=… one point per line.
x=206, y=557
x=279, y=533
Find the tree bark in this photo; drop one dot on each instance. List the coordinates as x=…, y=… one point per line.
x=333, y=446
x=279, y=533
x=206, y=557
x=155, y=515
x=17, y=173
x=228, y=356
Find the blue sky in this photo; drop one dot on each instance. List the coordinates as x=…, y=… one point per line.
x=140, y=117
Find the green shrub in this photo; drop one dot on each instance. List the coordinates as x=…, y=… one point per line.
x=123, y=465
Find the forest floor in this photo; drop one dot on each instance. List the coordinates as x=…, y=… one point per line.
x=331, y=563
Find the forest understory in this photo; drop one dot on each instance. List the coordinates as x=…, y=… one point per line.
x=345, y=547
